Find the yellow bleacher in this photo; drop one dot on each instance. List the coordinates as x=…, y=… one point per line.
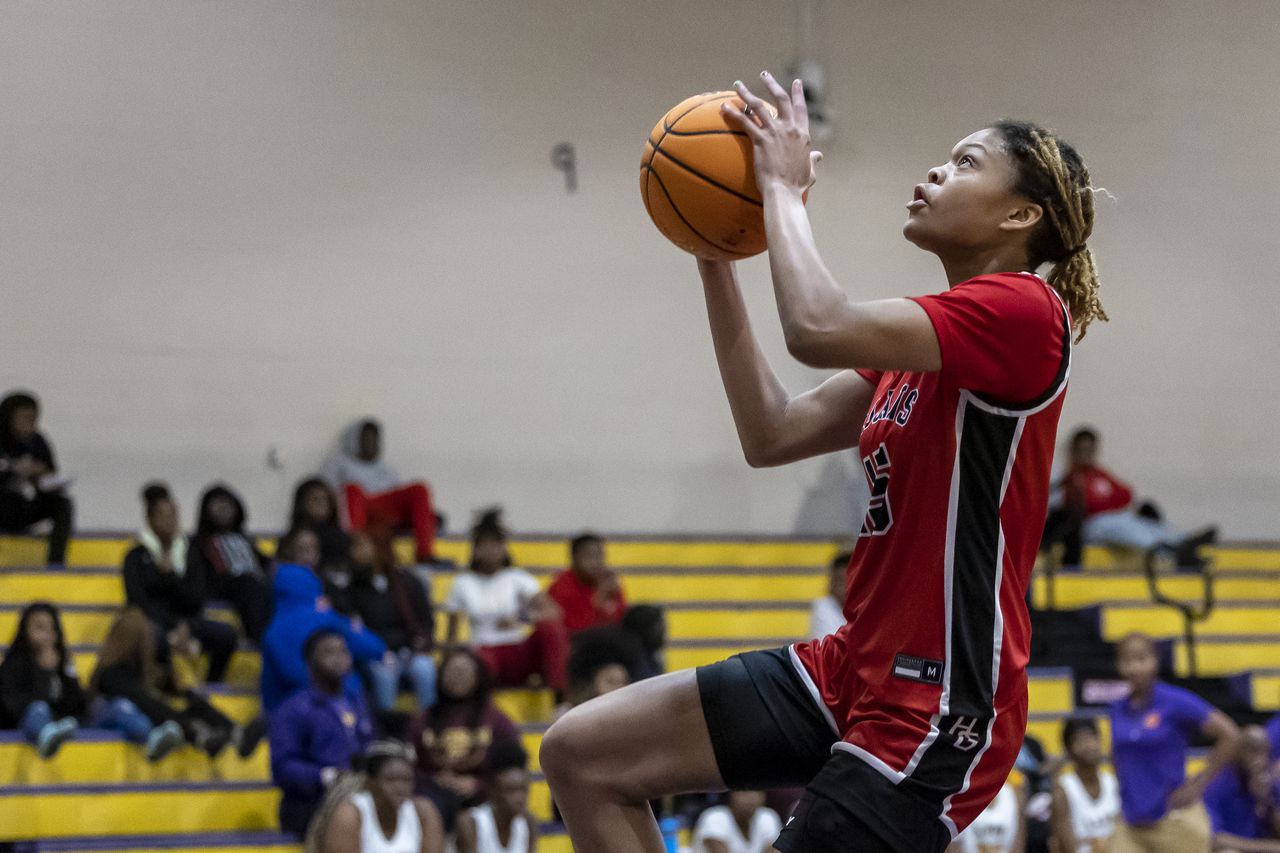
x=721, y=597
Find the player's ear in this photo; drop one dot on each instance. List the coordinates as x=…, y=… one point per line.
x=1023, y=216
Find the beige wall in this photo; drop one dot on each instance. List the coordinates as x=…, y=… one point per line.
x=229, y=226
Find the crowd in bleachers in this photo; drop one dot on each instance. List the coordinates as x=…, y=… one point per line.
x=355, y=674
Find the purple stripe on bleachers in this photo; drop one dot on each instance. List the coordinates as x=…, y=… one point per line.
x=199, y=839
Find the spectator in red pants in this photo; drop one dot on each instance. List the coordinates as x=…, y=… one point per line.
x=499, y=601
x=375, y=495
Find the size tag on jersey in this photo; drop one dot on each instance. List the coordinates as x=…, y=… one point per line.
x=917, y=669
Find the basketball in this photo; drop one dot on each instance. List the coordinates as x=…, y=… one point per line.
x=698, y=184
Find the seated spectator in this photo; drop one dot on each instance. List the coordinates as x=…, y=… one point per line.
x=301, y=609
x=159, y=579
x=30, y=489
x=140, y=698
x=392, y=603
x=315, y=506
x=588, y=593
x=503, y=824
x=453, y=737
x=383, y=816
x=1097, y=508
x=1086, y=798
x=39, y=691
x=377, y=497
x=498, y=600
x=826, y=615
x=648, y=624
x=742, y=825
x=1242, y=799
x=231, y=564
x=1000, y=828
x=316, y=733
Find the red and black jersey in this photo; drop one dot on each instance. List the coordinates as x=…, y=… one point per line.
x=929, y=672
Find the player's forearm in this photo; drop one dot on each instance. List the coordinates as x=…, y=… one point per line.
x=756, y=397
x=811, y=304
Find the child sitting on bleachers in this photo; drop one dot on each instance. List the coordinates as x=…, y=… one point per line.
x=151, y=705
x=588, y=592
x=503, y=823
x=454, y=736
x=743, y=825
x=232, y=565
x=30, y=489
x=169, y=588
x=39, y=691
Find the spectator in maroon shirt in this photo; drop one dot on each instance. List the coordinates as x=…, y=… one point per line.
x=453, y=736
x=589, y=592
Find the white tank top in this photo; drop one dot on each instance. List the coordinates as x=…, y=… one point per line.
x=994, y=830
x=487, y=840
x=408, y=837
x=1091, y=819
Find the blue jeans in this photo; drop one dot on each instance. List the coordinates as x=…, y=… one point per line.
x=123, y=716
x=420, y=670
x=36, y=717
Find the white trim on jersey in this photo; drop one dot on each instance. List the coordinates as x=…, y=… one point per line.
x=876, y=764
x=813, y=689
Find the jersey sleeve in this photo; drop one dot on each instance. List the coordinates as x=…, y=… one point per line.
x=872, y=376
x=1190, y=710
x=1002, y=337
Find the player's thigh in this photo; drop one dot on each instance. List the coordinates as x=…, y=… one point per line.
x=643, y=741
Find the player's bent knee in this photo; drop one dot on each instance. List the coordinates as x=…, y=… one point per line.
x=566, y=753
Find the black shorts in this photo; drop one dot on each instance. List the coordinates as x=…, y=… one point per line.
x=768, y=732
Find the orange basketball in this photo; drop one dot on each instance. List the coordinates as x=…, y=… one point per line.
x=698, y=183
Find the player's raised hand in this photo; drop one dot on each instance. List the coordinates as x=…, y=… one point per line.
x=779, y=134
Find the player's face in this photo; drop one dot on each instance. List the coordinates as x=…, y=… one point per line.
x=1137, y=662
x=1085, y=748
x=393, y=783
x=966, y=204
x=511, y=789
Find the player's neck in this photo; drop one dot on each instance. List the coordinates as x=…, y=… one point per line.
x=971, y=263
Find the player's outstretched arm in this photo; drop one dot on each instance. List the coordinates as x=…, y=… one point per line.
x=775, y=428
x=823, y=328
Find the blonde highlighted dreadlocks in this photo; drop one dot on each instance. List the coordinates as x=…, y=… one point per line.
x=1051, y=173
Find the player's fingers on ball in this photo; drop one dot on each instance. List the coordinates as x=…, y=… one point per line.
x=740, y=120
x=778, y=94
x=756, y=107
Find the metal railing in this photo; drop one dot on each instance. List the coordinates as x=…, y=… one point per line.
x=1160, y=563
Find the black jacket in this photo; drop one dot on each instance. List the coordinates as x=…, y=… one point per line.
x=166, y=597
x=23, y=682
x=385, y=615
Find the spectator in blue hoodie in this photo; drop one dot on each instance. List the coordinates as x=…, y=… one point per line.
x=315, y=734
x=300, y=610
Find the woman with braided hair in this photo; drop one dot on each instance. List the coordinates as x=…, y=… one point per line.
x=906, y=721
x=375, y=811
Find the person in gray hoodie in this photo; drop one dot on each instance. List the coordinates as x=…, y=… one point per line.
x=376, y=497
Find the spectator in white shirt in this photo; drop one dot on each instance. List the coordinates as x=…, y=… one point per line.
x=826, y=614
x=743, y=825
x=515, y=626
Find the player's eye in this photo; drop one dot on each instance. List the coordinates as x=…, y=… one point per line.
x=966, y=158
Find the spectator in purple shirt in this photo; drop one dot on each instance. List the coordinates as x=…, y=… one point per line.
x=1242, y=799
x=1273, y=735
x=315, y=734
x=1151, y=731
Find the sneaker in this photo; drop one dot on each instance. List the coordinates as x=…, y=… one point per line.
x=213, y=741
x=248, y=738
x=164, y=739
x=54, y=735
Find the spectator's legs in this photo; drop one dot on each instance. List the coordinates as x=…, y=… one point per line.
x=218, y=640
x=251, y=598
x=34, y=719
x=1122, y=527
x=357, y=505
x=385, y=682
x=422, y=675
x=123, y=716
x=1063, y=525
x=410, y=506
x=17, y=514
x=551, y=639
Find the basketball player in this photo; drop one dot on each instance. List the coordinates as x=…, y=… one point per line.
x=905, y=722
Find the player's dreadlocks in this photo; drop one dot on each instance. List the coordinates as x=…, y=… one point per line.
x=1051, y=173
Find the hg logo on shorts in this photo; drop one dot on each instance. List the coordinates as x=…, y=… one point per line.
x=964, y=733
